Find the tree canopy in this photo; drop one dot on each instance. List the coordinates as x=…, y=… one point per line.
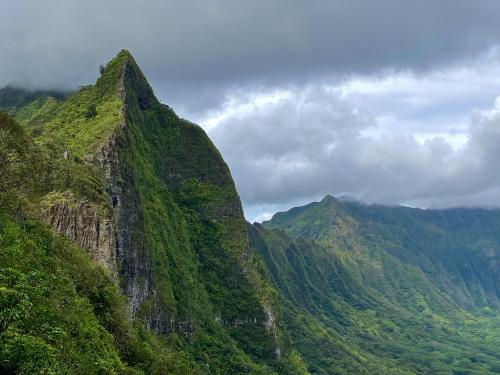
x=16, y=150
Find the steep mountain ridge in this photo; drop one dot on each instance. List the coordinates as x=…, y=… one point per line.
x=127, y=172
x=326, y=222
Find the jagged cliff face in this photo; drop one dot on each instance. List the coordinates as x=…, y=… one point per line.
x=177, y=156
x=133, y=261
x=159, y=208
x=81, y=221
x=132, y=258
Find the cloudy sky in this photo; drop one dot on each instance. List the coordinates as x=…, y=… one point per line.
x=389, y=101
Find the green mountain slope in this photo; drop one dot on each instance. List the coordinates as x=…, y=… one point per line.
x=148, y=197
x=457, y=249
x=335, y=266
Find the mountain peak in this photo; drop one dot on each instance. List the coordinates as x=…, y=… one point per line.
x=122, y=73
x=124, y=54
x=118, y=63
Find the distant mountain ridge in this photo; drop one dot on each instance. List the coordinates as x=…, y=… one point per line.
x=462, y=240
x=395, y=282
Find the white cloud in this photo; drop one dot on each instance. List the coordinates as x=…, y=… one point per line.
x=425, y=140
x=302, y=98
x=235, y=107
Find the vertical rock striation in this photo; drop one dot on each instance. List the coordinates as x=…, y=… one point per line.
x=82, y=222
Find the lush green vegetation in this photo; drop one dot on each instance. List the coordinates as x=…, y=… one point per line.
x=61, y=313
x=203, y=300
x=374, y=289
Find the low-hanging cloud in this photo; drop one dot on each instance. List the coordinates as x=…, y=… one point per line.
x=311, y=143
x=315, y=140
x=195, y=51
x=384, y=100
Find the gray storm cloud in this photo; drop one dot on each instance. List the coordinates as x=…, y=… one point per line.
x=314, y=141
x=193, y=49
x=365, y=103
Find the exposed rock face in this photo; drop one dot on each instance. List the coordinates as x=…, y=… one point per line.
x=133, y=263
x=132, y=258
x=81, y=222
x=115, y=239
x=270, y=324
x=149, y=197
x=132, y=255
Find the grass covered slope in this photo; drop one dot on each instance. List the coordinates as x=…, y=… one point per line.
x=129, y=181
x=79, y=121
x=367, y=309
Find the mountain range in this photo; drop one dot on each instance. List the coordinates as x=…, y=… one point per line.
x=124, y=249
